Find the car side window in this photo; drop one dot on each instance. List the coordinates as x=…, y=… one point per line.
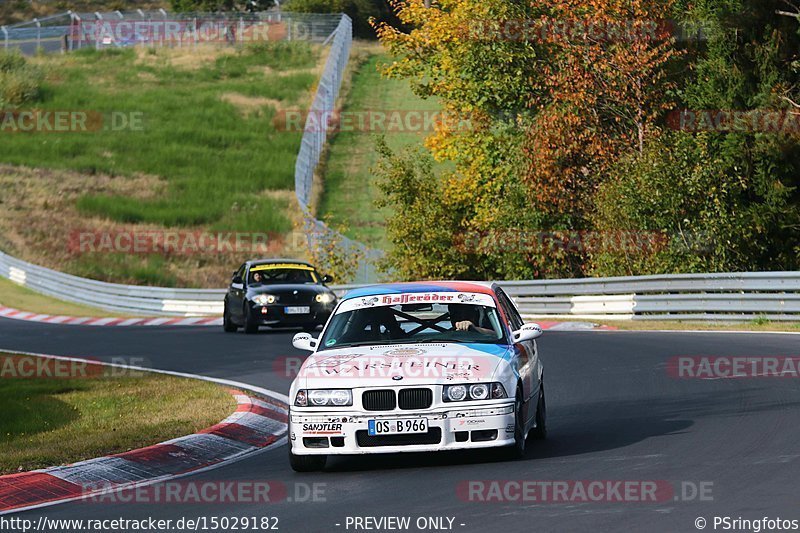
x=241, y=270
x=514, y=318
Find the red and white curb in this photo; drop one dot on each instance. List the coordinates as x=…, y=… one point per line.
x=16, y=314
x=259, y=424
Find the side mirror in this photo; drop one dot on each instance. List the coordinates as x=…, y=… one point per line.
x=237, y=279
x=304, y=341
x=527, y=332
x=327, y=278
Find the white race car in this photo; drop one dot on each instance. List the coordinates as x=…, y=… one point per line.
x=412, y=367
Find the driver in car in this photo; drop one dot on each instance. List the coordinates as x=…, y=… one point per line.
x=465, y=317
x=257, y=277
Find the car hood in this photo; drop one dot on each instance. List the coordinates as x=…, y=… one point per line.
x=405, y=364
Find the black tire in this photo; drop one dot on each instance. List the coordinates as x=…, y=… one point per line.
x=306, y=463
x=227, y=325
x=540, y=431
x=250, y=325
x=517, y=450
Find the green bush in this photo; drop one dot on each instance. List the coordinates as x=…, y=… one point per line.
x=19, y=81
x=712, y=202
x=11, y=61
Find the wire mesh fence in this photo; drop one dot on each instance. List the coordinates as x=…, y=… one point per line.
x=321, y=237
x=117, y=29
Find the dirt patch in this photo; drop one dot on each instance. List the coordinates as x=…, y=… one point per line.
x=37, y=208
x=186, y=58
x=250, y=104
x=269, y=71
x=147, y=76
x=40, y=224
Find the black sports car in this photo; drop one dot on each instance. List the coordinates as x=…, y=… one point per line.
x=277, y=292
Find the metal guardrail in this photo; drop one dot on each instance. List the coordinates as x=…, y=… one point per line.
x=127, y=299
x=729, y=296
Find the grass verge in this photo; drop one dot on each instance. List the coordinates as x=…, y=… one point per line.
x=349, y=185
x=752, y=325
x=56, y=421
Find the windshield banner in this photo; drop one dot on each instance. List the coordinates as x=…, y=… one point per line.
x=381, y=300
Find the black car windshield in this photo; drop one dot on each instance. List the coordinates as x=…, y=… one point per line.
x=414, y=323
x=272, y=275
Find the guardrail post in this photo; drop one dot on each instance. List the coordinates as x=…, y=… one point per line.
x=5, y=34
x=97, y=37
x=38, y=33
x=74, y=30
x=163, y=31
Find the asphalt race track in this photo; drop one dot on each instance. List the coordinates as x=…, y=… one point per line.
x=614, y=413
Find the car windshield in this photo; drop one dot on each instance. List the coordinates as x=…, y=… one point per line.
x=272, y=275
x=413, y=323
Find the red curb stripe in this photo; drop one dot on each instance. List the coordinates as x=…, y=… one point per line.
x=263, y=411
x=31, y=488
x=158, y=453
x=18, y=491
x=165, y=459
x=270, y=401
x=241, y=433
x=16, y=314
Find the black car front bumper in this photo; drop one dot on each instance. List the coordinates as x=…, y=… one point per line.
x=276, y=315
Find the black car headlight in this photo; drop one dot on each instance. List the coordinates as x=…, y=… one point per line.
x=324, y=398
x=475, y=391
x=264, y=299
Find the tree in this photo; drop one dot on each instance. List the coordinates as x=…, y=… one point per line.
x=548, y=112
x=735, y=188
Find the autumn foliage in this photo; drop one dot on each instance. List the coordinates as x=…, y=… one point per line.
x=565, y=100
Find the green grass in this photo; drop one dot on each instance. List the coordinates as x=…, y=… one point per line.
x=49, y=421
x=149, y=270
x=214, y=156
x=757, y=325
x=350, y=191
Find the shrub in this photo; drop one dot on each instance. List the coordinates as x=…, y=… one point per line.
x=19, y=81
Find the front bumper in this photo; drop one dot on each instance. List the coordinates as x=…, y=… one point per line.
x=342, y=432
x=275, y=315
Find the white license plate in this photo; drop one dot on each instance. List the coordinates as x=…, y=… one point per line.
x=397, y=426
x=300, y=310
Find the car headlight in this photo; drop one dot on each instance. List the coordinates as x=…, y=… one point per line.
x=324, y=398
x=477, y=391
x=264, y=299
x=324, y=298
